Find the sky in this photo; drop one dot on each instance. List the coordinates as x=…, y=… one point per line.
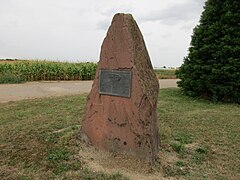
x=73, y=30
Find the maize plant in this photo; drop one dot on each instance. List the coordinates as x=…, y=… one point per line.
x=46, y=70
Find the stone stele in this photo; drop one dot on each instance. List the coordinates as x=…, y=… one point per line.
x=123, y=117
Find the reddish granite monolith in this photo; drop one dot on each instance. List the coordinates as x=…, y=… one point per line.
x=124, y=124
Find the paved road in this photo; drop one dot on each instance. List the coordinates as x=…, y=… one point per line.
x=31, y=90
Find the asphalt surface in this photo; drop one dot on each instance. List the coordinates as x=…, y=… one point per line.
x=32, y=90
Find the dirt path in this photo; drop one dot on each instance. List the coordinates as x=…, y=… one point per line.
x=31, y=90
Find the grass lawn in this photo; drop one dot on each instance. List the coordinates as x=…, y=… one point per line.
x=205, y=135
x=38, y=138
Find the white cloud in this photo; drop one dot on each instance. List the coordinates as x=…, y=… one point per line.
x=103, y=24
x=180, y=12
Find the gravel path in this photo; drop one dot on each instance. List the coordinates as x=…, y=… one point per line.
x=31, y=90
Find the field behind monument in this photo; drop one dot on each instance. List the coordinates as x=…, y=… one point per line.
x=200, y=139
x=18, y=71
x=165, y=73
x=26, y=70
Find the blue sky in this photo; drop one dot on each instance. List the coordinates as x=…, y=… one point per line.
x=73, y=30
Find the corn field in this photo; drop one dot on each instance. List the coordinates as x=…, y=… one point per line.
x=165, y=73
x=45, y=70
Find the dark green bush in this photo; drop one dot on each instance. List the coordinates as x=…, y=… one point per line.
x=212, y=68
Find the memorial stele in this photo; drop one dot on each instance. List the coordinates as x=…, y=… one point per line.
x=120, y=113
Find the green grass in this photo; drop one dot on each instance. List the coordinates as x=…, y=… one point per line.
x=165, y=73
x=208, y=133
x=38, y=138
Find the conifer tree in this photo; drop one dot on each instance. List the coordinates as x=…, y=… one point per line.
x=212, y=67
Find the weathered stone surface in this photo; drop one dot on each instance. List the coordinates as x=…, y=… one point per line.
x=124, y=124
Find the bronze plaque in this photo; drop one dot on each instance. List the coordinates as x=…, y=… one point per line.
x=115, y=82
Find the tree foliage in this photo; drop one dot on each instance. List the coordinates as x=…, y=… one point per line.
x=212, y=67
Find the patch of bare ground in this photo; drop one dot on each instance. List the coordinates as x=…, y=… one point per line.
x=129, y=166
